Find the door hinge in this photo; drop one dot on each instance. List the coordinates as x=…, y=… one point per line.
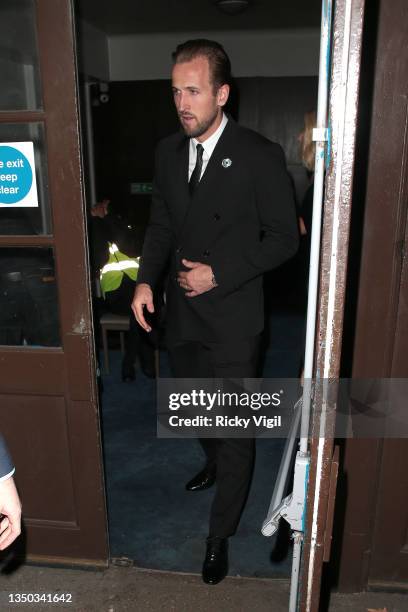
x=293, y=507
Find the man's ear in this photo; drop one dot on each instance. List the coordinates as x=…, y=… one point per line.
x=222, y=95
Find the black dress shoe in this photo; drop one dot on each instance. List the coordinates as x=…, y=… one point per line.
x=203, y=480
x=215, y=566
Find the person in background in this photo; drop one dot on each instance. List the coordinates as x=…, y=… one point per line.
x=10, y=505
x=109, y=227
x=307, y=152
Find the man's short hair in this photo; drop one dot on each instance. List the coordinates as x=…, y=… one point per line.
x=219, y=62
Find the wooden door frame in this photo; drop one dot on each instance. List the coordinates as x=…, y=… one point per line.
x=73, y=370
x=343, y=104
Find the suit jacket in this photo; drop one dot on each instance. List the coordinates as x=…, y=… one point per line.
x=6, y=464
x=241, y=220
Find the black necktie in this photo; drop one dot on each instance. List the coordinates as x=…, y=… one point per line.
x=196, y=174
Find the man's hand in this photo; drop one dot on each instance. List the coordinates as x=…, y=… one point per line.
x=100, y=209
x=10, y=508
x=197, y=280
x=143, y=297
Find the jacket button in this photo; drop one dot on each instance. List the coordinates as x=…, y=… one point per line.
x=217, y=217
x=206, y=253
x=179, y=249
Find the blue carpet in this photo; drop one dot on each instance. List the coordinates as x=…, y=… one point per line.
x=152, y=519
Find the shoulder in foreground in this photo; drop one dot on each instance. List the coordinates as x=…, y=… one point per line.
x=256, y=142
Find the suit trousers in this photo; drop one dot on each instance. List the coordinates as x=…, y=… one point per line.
x=232, y=458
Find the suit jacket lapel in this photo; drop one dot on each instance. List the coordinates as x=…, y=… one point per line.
x=181, y=175
x=214, y=171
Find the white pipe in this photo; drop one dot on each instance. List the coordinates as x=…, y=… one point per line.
x=90, y=144
x=324, y=76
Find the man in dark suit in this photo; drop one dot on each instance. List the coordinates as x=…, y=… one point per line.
x=10, y=506
x=222, y=213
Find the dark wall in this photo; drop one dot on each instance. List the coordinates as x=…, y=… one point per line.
x=140, y=113
x=275, y=107
x=126, y=131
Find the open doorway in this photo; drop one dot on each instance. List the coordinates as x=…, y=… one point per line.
x=152, y=519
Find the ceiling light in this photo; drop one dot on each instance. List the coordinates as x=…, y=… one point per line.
x=232, y=7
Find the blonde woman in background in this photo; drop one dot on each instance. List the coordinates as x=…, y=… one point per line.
x=307, y=151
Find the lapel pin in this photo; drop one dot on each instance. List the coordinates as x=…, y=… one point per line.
x=226, y=162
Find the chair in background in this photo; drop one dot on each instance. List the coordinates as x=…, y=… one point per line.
x=112, y=322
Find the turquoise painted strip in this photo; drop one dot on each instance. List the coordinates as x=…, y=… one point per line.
x=304, y=505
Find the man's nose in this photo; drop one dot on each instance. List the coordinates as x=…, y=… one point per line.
x=182, y=102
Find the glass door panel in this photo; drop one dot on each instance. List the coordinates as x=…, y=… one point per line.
x=29, y=314
x=20, y=77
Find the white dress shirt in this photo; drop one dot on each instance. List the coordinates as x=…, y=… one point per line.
x=9, y=475
x=208, y=145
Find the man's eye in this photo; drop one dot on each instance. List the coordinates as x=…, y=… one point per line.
x=194, y=92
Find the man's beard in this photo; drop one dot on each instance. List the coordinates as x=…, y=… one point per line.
x=201, y=127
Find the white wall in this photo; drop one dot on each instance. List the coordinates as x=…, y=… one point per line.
x=93, y=51
x=263, y=53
